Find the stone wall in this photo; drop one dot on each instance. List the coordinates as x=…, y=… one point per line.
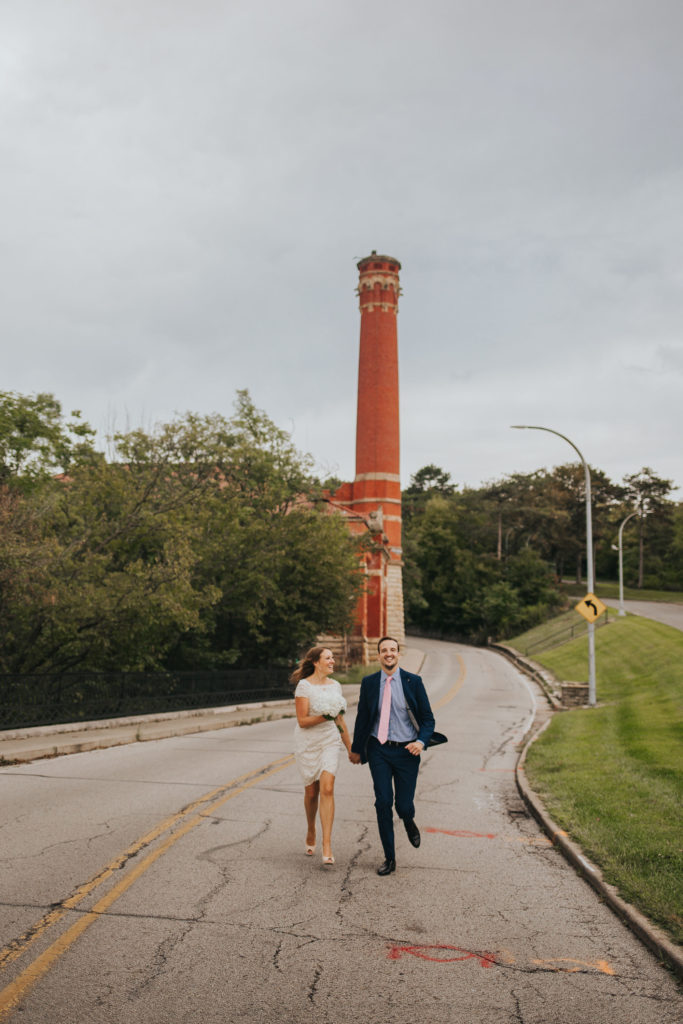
x=394, y=592
x=574, y=695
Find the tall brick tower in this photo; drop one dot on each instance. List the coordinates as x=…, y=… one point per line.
x=374, y=497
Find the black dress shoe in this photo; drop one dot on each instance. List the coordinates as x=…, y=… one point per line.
x=413, y=831
x=387, y=867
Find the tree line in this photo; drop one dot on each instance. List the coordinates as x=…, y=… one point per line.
x=206, y=543
x=488, y=561
x=201, y=544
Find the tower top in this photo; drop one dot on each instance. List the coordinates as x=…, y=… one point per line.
x=377, y=261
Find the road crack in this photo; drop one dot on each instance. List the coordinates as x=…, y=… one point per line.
x=313, y=987
x=346, y=892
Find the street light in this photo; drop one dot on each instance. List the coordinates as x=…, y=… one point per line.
x=622, y=610
x=589, y=556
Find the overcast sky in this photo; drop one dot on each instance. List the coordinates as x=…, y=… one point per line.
x=186, y=187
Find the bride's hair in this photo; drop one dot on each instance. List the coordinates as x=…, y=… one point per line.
x=306, y=666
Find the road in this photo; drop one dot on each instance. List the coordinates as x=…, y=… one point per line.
x=661, y=611
x=166, y=882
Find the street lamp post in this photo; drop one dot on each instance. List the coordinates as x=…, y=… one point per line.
x=589, y=556
x=622, y=610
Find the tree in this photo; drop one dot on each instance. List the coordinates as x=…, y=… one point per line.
x=36, y=442
x=647, y=493
x=570, y=493
x=201, y=544
x=424, y=484
x=455, y=585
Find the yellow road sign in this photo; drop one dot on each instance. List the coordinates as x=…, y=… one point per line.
x=591, y=607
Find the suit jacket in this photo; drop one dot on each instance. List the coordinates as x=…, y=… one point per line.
x=417, y=703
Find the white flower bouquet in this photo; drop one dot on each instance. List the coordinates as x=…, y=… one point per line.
x=329, y=705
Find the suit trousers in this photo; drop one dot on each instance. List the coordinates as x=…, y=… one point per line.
x=392, y=769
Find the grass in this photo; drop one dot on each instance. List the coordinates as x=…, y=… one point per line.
x=612, y=776
x=355, y=673
x=611, y=591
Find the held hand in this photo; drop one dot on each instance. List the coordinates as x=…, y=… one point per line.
x=414, y=748
x=354, y=758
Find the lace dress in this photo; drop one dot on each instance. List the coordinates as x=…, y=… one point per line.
x=317, y=749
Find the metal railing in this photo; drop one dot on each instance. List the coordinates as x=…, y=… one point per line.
x=31, y=700
x=564, y=635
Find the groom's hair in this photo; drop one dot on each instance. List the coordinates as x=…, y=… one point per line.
x=381, y=641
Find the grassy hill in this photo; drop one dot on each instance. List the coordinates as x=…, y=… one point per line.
x=556, y=632
x=612, y=776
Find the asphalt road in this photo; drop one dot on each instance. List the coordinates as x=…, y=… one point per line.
x=165, y=882
x=668, y=612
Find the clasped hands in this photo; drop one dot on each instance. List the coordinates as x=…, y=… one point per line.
x=414, y=748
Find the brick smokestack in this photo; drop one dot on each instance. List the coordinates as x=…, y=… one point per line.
x=377, y=485
x=377, y=424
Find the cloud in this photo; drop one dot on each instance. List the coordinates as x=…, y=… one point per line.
x=185, y=189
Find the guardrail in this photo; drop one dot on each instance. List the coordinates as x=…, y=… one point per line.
x=566, y=634
x=31, y=700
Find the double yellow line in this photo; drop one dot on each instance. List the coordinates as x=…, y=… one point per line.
x=182, y=823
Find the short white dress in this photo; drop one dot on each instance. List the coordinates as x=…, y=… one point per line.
x=317, y=749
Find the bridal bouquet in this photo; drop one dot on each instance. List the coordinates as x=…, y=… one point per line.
x=330, y=705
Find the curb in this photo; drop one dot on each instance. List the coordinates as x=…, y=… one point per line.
x=540, y=675
x=113, y=723
x=655, y=939
x=19, y=746
x=129, y=732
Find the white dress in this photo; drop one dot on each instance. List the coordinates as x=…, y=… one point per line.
x=316, y=749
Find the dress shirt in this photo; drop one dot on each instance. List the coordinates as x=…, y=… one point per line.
x=401, y=729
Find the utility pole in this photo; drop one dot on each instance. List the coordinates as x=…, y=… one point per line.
x=622, y=610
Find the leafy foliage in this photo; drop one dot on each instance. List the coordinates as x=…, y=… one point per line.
x=35, y=442
x=200, y=544
x=486, y=562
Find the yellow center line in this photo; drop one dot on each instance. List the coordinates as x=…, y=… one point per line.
x=455, y=687
x=18, y=946
x=14, y=992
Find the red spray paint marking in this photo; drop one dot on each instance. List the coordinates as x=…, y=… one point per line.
x=462, y=833
x=485, y=959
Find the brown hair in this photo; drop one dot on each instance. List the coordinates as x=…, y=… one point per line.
x=382, y=639
x=306, y=666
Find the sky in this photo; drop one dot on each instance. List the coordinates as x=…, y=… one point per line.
x=186, y=189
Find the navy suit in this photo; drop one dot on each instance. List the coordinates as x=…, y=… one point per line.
x=392, y=768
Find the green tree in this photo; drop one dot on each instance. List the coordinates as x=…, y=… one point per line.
x=454, y=583
x=424, y=484
x=202, y=543
x=647, y=492
x=36, y=442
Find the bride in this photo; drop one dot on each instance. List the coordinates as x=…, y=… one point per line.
x=319, y=733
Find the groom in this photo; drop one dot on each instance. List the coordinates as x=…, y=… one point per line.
x=393, y=726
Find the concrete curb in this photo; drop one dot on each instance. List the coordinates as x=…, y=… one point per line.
x=18, y=746
x=80, y=740
x=655, y=939
x=111, y=723
x=157, y=716
x=545, y=679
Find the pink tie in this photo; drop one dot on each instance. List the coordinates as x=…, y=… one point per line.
x=383, y=731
